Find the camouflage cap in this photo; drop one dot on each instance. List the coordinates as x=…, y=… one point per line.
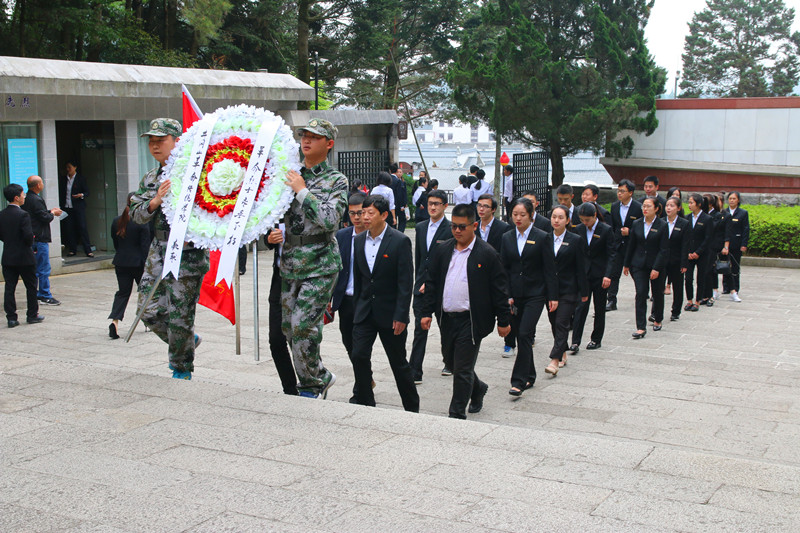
x=322, y=127
x=161, y=127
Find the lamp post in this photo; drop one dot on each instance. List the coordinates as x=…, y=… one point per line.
x=677, y=75
x=316, y=81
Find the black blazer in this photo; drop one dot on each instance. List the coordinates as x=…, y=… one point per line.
x=487, y=286
x=718, y=235
x=542, y=222
x=679, y=243
x=634, y=213
x=599, y=253
x=569, y=263
x=651, y=252
x=737, y=228
x=398, y=187
x=532, y=274
x=345, y=238
x=132, y=249
x=78, y=186
x=496, y=232
x=574, y=220
x=41, y=217
x=700, y=241
x=17, y=236
x=663, y=201
x=384, y=293
x=606, y=214
x=421, y=208
x=421, y=252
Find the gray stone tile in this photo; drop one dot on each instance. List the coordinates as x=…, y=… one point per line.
x=781, y=507
x=16, y=518
x=12, y=403
x=114, y=420
x=363, y=519
x=48, y=439
x=229, y=522
x=14, y=424
x=88, y=396
x=71, y=372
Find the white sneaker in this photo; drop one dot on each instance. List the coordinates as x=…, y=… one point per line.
x=735, y=297
x=716, y=294
x=508, y=351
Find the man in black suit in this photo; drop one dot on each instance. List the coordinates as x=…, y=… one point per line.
x=651, y=190
x=539, y=221
x=430, y=234
x=564, y=195
x=598, y=243
x=466, y=288
x=41, y=217
x=400, y=196
x=590, y=194
x=490, y=229
x=278, y=344
x=383, y=276
x=624, y=212
x=18, y=260
x=73, y=201
x=342, y=300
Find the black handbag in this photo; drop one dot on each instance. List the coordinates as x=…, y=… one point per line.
x=723, y=266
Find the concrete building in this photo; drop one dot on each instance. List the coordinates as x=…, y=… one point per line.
x=55, y=111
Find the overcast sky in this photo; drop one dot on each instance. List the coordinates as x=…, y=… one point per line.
x=669, y=25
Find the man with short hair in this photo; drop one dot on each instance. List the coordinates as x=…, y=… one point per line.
x=383, y=276
x=466, y=288
x=651, y=190
x=473, y=175
x=508, y=189
x=564, y=195
x=400, y=195
x=171, y=311
x=18, y=261
x=41, y=217
x=75, y=193
x=429, y=234
x=490, y=229
x=539, y=221
x=623, y=213
x=590, y=194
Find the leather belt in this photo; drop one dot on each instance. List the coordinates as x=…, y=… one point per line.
x=299, y=240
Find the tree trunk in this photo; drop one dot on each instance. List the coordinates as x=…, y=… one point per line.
x=498, y=175
x=303, y=67
x=557, y=161
x=20, y=6
x=170, y=24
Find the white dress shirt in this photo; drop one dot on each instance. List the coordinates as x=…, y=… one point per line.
x=557, y=242
x=432, y=228
x=417, y=194
x=386, y=192
x=694, y=219
x=671, y=225
x=478, y=188
x=522, y=238
x=349, y=290
x=623, y=210
x=590, y=232
x=70, y=181
x=371, y=247
x=648, y=226
x=455, y=297
x=508, y=190
x=485, y=232
x=462, y=195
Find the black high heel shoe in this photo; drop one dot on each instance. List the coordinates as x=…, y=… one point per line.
x=638, y=335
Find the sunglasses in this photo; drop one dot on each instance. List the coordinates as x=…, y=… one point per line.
x=460, y=227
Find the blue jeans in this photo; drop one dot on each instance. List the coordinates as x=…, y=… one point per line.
x=42, y=252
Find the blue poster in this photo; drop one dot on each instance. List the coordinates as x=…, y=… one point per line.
x=23, y=160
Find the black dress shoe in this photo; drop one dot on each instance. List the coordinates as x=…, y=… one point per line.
x=477, y=404
x=656, y=328
x=593, y=345
x=112, y=331
x=513, y=391
x=574, y=349
x=651, y=318
x=447, y=372
x=611, y=306
x=673, y=318
x=528, y=385
x=13, y=323
x=35, y=320
x=637, y=335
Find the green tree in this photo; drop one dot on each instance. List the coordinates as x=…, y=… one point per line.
x=741, y=48
x=563, y=75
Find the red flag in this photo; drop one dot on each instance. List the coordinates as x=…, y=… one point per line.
x=218, y=298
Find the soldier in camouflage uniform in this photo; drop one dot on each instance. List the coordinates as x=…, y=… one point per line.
x=310, y=262
x=170, y=312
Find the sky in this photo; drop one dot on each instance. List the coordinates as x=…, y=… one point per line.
x=669, y=25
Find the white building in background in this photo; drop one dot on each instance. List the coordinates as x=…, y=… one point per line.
x=441, y=131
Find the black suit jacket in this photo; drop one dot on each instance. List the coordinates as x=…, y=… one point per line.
x=737, y=227
x=634, y=213
x=384, y=293
x=17, y=236
x=574, y=220
x=421, y=252
x=41, y=217
x=543, y=223
x=487, y=287
x=345, y=238
x=496, y=232
x=651, y=252
x=569, y=264
x=400, y=193
x=78, y=186
x=532, y=274
x=606, y=214
x=701, y=233
x=718, y=235
x=599, y=253
x=131, y=251
x=679, y=243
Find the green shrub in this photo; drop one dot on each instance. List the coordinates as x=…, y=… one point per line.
x=774, y=230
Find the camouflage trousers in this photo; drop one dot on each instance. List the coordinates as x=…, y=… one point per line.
x=170, y=313
x=303, y=303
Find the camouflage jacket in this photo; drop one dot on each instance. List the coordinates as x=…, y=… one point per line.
x=319, y=213
x=140, y=201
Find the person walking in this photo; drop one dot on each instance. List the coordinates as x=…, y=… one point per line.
x=678, y=262
x=41, y=217
x=702, y=230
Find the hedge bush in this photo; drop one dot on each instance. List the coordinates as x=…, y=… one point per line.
x=774, y=231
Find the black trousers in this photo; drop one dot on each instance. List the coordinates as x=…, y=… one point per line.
x=675, y=277
x=364, y=335
x=598, y=295
x=242, y=259
x=420, y=342
x=28, y=275
x=528, y=313
x=460, y=354
x=511, y=339
x=560, y=322
x=712, y=278
x=278, y=345
x=125, y=278
x=701, y=264
x=401, y=219
x=730, y=282
x=641, y=278
x=346, y=312
x=75, y=226
x=616, y=273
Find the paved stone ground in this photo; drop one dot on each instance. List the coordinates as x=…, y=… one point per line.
x=694, y=428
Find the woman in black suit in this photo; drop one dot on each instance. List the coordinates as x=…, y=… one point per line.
x=702, y=228
x=131, y=242
x=717, y=242
x=675, y=192
x=679, y=235
x=420, y=199
x=737, y=235
x=646, y=260
x=532, y=282
x=567, y=253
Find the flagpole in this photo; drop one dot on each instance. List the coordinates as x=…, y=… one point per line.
x=255, y=299
x=236, y=309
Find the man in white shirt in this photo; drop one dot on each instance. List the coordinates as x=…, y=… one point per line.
x=508, y=190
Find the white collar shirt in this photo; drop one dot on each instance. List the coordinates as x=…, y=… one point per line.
x=623, y=210
x=372, y=245
x=433, y=227
x=70, y=181
x=590, y=232
x=485, y=232
x=522, y=238
x=557, y=241
x=647, y=227
x=671, y=225
x=455, y=296
x=349, y=290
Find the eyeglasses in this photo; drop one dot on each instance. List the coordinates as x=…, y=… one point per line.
x=356, y=213
x=460, y=227
x=434, y=204
x=485, y=206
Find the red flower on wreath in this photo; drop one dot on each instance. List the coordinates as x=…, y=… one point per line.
x=234, y=149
